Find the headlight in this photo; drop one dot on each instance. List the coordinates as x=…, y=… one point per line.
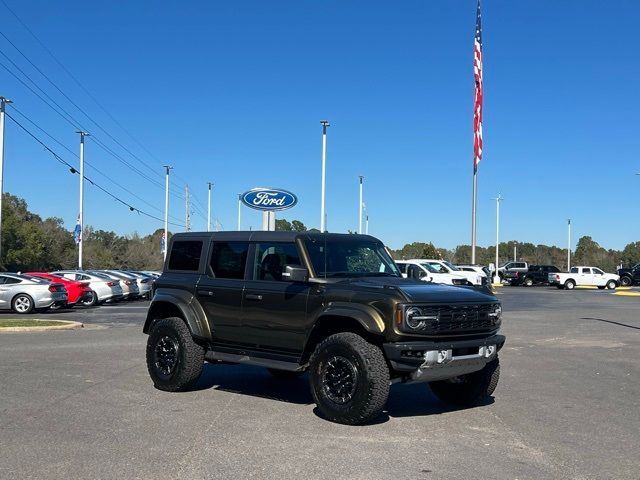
x=414, y=318
x=419, y=319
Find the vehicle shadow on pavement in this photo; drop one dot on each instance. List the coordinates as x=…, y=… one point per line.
x=255, y=382
x=415, y=400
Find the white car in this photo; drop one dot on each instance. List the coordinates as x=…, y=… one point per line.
x=442, y=266
x=103, y=287
x=584, y=276
x=482, y=271
x=419, y=270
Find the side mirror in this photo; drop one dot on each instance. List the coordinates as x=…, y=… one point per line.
x=293, y=273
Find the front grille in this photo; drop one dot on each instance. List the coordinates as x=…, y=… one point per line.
x=462, y=318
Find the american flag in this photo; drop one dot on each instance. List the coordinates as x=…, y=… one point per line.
x=477, y=104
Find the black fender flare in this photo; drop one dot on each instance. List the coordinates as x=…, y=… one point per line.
x=171, y=302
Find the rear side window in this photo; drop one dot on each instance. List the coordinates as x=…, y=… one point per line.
x=402, y=267
x=185, y=255
x=228, y=260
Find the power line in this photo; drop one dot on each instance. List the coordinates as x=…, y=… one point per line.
x=62, y=112
x=74, y=171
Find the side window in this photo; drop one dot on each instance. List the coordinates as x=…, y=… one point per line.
x=413, y=272
x=9, y=280
x=586, y=270
x=574, y=269
x=185, y=255
x=554, y=269
x=271, y=259
x=228, y=260
x=402, y=267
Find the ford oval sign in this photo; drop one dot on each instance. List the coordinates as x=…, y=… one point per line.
x=269, y=199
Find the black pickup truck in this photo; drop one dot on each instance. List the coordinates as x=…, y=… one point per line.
x=630, y=276
x=535, y=275
x=331, y=304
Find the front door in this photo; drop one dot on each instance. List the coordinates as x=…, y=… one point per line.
x=274, y=311
x=220, y=291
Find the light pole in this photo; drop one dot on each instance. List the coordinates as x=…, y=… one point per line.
x=360, y=206
x=3, y=103
x=166, y=209
x=498, y=199
x=366, y=218
x=209, y=208
x=568, y=244
x=325, y=124
x=81, y=212
x=239, y=205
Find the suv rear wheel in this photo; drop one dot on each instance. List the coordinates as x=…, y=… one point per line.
x=471, y=389
x=174, y=360
x=349, y=379
x=569, y=285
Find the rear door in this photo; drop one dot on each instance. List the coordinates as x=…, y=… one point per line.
x=220, y=291
x=274, y=310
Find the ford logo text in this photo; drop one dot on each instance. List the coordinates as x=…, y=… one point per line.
x=269, y=199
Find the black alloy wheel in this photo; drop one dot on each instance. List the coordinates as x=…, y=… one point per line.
x=339, y=378
x=165, y=355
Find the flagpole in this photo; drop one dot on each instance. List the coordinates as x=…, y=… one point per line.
x=474, y=203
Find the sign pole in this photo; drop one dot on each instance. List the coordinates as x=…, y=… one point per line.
x=325, y=124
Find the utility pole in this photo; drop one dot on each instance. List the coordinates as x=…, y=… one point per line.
x=568, y=244
x=360, y=206
x=187, y=213
x=498, y=199
x=515, y=252
x=239, y=209
x=209, y=208
x=3, y=103
x=166, y=209
x=81, y=213
x=325, y=124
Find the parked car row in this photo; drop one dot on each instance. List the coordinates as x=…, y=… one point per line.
x=39, y=291
x=551, y=275
x=441, y=271
x=629, y=276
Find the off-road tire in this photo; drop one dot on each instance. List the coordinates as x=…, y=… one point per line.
x=22, y=304
x=284, y=374
x=471, y=389
x=528, y=282
x=612, y=284
x=625, y=281
x=569, y=285
x=189, y=356
x=371, y=379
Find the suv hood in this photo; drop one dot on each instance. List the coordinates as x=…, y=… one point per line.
x=418, y=291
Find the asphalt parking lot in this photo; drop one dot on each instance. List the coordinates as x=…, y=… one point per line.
x=79, y=404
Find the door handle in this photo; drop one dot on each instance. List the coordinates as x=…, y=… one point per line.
x=208, y=293
x=252, y=296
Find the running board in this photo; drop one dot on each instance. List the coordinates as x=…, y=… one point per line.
x=249, y=360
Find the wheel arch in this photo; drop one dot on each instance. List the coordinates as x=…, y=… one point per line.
x=338, y=322
x=182, y=305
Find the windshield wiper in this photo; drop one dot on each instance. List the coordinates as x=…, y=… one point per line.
x=381, y=274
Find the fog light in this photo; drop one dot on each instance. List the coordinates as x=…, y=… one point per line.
x=489, y=351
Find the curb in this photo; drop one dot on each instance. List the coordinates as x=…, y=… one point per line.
x=627, y=294
x=68, y=325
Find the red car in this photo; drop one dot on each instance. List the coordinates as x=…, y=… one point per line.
x=76, y=291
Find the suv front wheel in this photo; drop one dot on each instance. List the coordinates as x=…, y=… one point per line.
x=349, y=379
x=174, y=360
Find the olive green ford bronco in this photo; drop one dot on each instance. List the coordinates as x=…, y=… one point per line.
x=331, y=304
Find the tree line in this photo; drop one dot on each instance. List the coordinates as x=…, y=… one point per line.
x=31, y=243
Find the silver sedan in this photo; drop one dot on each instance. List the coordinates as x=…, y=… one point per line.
x=23, y=294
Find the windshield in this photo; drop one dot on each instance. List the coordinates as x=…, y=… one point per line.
x=346, y=257
x=430, y=268
x=451, y=266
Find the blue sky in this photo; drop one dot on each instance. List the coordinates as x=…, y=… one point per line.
x=233, y=92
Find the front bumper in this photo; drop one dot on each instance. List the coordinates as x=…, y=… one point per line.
x=430, y=361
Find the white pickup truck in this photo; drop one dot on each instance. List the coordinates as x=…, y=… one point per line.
x=584, y=276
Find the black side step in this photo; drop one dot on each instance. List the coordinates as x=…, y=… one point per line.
x=254, y=358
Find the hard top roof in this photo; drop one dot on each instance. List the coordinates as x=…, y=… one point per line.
x=263, y=236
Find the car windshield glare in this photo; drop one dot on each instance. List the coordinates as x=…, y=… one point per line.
x=451, y=266
x=430, y=268
x=346, y=257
